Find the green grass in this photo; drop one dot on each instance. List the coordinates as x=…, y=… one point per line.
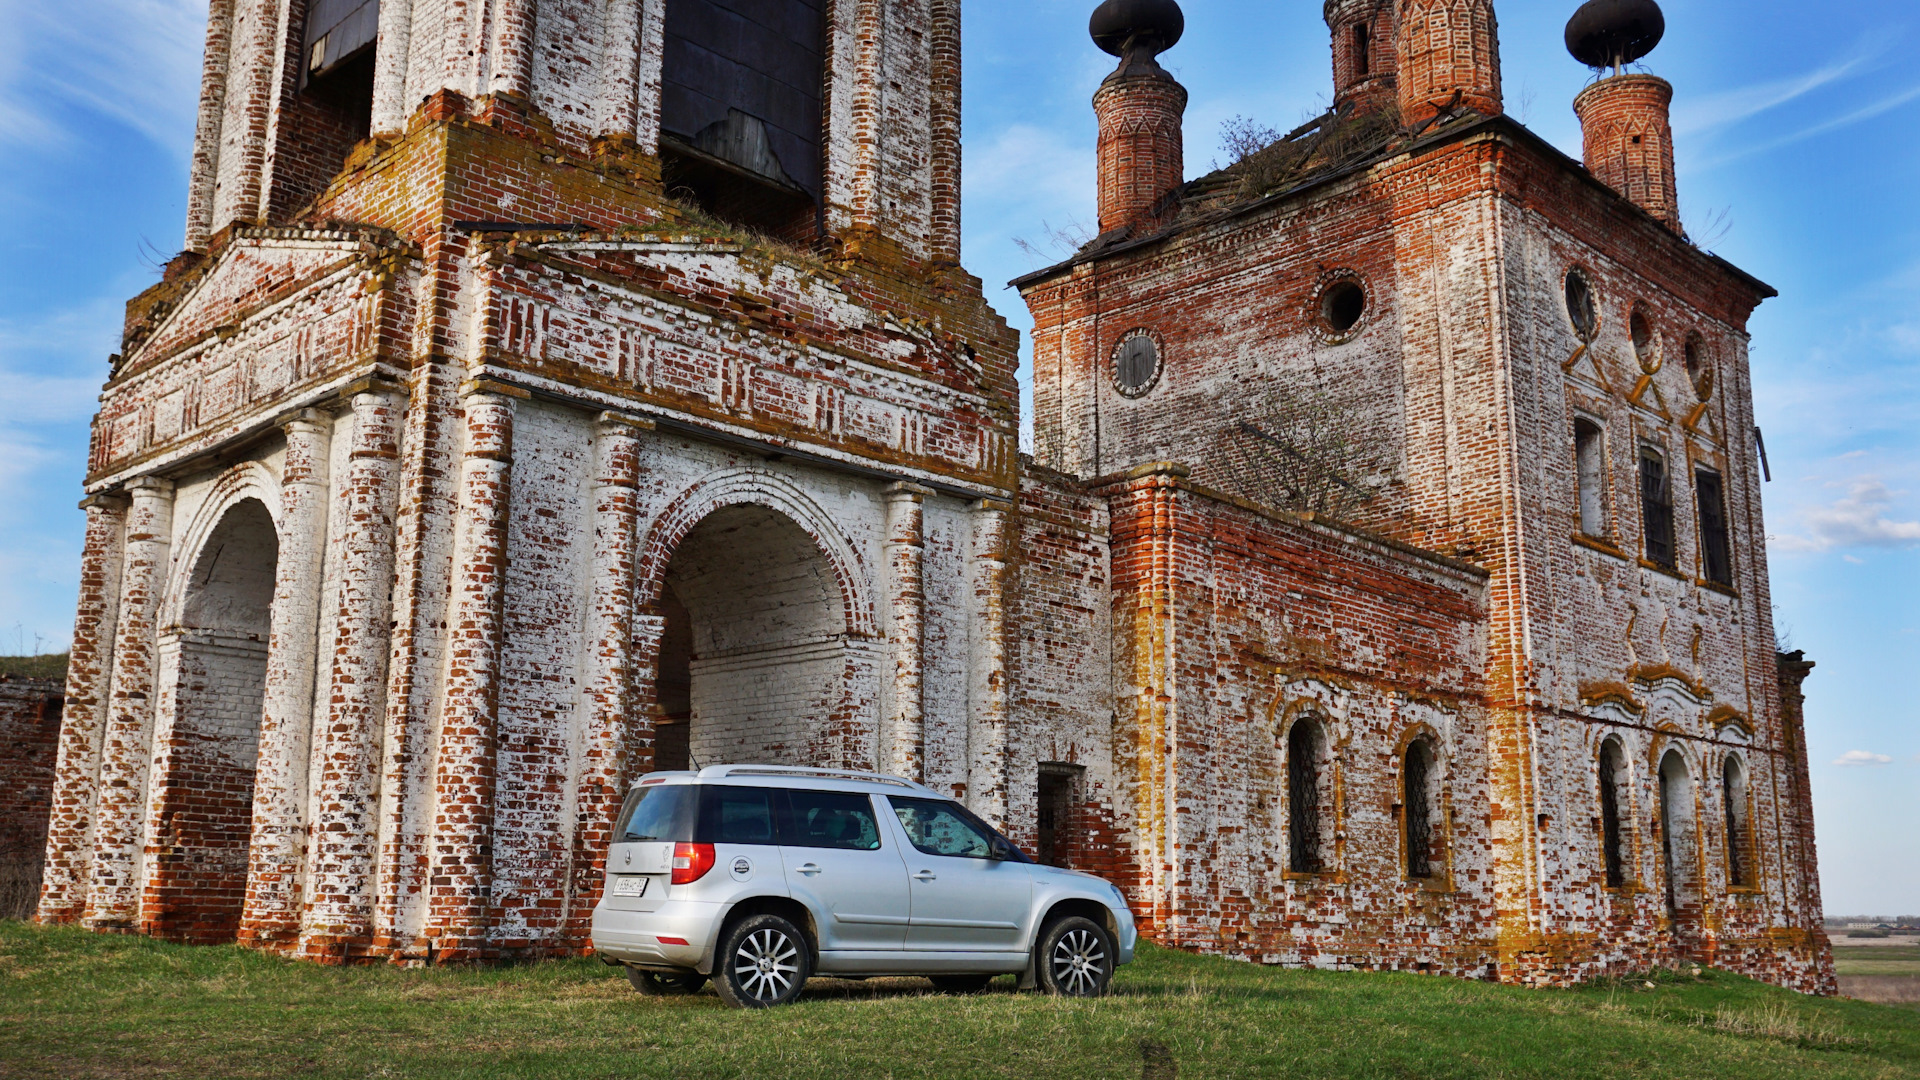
x=44, y=666
x=1877, y=959
x=75, y=1004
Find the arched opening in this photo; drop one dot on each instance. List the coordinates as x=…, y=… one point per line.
x=1417, y=795
x=1676, y=838
x=1733, y=796
x=1307, y=813
x=1613, y=835
x=753, y=656
x=205, y=765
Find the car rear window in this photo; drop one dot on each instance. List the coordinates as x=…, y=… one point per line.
x=664, y=812
x=736, y=815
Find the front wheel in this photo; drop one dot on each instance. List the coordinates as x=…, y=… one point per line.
x=763, y=962
x=1075, y=958
x=665, y=984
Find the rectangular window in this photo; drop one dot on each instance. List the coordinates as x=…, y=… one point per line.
x=1362, y=51
x=1590, y=467
x=1715, y=550
x=1656, y=508
x=830, y=819
x=661, y=812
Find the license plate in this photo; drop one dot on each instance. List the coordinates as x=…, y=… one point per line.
x=629, y=885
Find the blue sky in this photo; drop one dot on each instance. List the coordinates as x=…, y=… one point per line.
x=1798, y=140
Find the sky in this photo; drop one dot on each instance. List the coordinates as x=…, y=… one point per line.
x=1797, y=134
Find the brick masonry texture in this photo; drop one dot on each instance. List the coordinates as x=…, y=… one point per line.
x=29, y=747
x=407, y=534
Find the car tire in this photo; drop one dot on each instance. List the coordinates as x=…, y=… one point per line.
x=763, y=962
x=1074, y=958
x=666, y=984
x=960, y=984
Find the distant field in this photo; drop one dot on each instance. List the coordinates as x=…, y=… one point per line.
x=75, y=1004
x=1876, y=960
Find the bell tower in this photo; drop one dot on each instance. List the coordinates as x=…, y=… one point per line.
x=809, y=121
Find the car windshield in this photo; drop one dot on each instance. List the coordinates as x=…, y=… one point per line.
x=663, y=812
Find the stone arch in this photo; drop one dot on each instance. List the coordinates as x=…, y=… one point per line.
x=1613, y=779
x=1736, y=810
x=766, y=650
x=247, y=480
x=213, y=670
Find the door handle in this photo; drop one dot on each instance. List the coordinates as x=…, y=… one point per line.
x=808, y=868
x=924, y=875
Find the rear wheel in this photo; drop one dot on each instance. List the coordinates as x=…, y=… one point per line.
x=960, y=984
x=1075, y=958
x=763, y=962
x=666, y=984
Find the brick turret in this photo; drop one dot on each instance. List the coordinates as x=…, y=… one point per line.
x=1629, y=141
x=1446, y=48
x=1139, y=107
x=1364, y=55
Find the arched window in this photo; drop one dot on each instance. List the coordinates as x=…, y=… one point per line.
x=1416, y=776
x=1677, y=836
x=1304, y=744
x=1733, y=793
x=1590, y=468
x=1612, y=836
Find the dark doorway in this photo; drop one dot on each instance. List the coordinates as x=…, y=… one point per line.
x=1058, y=840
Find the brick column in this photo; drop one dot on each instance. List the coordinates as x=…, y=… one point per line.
x=113, y=900
x=1141, y=152
x=905, y=754
x=338, y=923
x=460, y=846
x=943, y=41
x=63, y=890
x=278, y=847
x=1446, y=49
x=605, y=766
x=512, y=69
x=205, y=168
x=620, y=71
x=391, y=102
x=987, y=678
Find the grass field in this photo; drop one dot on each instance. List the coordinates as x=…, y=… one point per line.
x=75, y=1004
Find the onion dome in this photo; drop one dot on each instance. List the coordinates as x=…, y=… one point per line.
x=1609, y=33
x=1152, y=26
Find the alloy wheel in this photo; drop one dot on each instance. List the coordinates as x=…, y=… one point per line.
x=1078, y=962
x=766, y=964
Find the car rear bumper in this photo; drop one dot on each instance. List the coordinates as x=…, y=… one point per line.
x=633, y=937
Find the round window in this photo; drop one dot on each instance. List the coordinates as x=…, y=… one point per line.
x=1640, y=329
x=1580, y=307
x=1699, y=368
x=1136, y=363
x=1341, y=306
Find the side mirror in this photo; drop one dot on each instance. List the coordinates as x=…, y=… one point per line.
x=1000, y=849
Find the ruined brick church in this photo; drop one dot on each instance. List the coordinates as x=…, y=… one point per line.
x=552, y=391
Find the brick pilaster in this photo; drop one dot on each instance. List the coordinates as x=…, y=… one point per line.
x=987, y=735
x=63, y=890
x=460, y=848
x=113, y=899
x=340, y=897
x=906, y=753
x=606, y=765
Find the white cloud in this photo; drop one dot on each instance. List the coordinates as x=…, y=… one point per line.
x=136, y=61
x=1884, y=105
x=1862, y=757
x=1710, y=111
x=1856, y=519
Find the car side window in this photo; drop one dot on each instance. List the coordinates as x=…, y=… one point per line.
x=939, y=828
x=830, y=819
x=736, y=815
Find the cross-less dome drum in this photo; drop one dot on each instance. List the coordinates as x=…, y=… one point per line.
x=1609, y=33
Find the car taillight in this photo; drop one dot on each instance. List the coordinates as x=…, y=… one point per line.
x=691, y=862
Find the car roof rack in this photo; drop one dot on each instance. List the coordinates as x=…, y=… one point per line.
x=715, y=772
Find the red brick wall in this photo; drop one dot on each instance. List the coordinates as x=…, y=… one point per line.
x=29, y=739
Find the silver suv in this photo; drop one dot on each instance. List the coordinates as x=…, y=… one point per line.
x=759, y=876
